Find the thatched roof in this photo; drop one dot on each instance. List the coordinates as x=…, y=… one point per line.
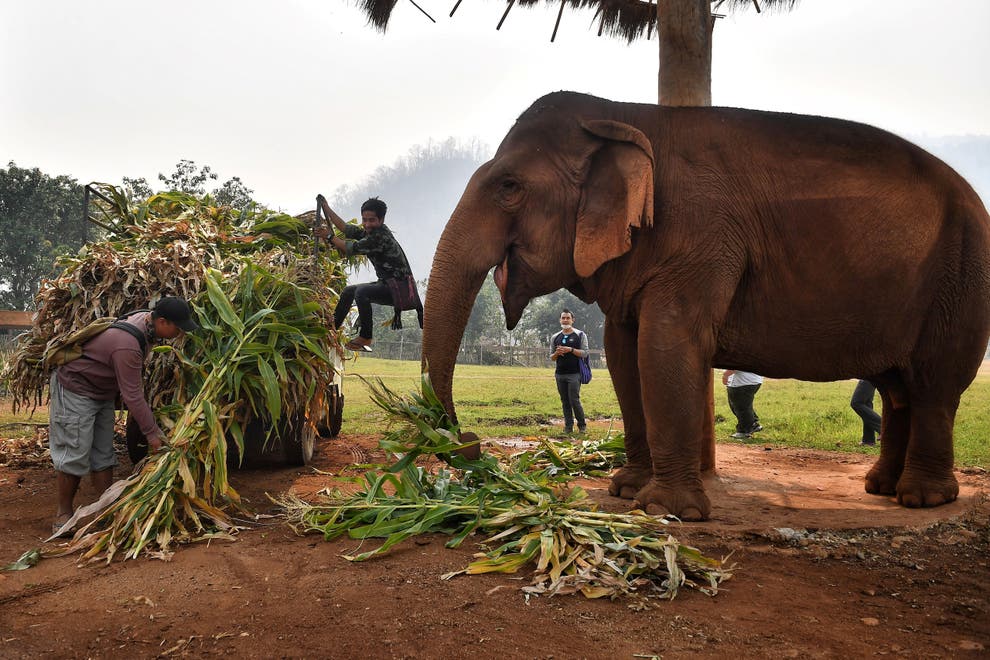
x=628, y=19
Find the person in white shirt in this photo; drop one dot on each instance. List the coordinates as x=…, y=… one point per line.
x=741, y=387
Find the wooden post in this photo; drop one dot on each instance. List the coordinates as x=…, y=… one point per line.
x=685, y=31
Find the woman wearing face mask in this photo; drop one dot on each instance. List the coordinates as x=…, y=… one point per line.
x=568, y=346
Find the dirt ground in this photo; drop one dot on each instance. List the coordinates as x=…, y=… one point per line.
x=823, y=570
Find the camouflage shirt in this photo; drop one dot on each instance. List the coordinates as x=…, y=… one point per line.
x=381, y=248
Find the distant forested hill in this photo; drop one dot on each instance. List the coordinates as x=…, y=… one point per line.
x=421, y=190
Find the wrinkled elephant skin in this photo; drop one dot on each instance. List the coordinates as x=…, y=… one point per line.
x=787, y=245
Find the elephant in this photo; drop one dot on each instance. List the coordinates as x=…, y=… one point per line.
x=788, y=245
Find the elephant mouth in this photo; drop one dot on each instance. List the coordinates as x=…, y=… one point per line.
x=512, y=305
x=502, y=278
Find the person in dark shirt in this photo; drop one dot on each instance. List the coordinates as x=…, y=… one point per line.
x=83, y=393
x=569, y=345
x=395, y=285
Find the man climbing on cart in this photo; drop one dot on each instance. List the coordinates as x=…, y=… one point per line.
x=395, y=285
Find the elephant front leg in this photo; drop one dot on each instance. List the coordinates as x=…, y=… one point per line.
x=708, y=428
x=623, y=367
x=675, y=369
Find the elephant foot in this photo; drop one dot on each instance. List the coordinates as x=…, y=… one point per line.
x=882, y=479
x=472, y=452
x=629, y=480
x=688, y=504
x=924, y=490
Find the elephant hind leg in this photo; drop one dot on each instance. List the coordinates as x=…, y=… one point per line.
x=895, y=432
x=947, y=356
x=927, y=479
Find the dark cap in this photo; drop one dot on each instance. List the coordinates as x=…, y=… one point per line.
x=177, y=311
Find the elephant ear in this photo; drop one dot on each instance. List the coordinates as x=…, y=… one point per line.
x=616, y=196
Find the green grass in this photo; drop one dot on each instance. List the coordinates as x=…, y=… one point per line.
x=491, y=401
x=516, y=401
x=505, y=402
x=14, y=426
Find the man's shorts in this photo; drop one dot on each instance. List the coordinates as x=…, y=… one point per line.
x=80, y=432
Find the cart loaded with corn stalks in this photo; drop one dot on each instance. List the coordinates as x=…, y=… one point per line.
x=259, y=379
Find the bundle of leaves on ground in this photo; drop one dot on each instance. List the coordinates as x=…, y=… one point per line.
x=262, y=298
x=590, y=458
x=529, y=515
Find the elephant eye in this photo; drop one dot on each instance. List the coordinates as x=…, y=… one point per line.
x=509, y=191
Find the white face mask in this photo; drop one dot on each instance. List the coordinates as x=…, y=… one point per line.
x=565, y=326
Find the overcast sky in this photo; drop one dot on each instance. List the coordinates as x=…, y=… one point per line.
x=299, y=96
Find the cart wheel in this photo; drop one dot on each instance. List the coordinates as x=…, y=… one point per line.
x=137, y=445
x=335, y=413
x=297, y=448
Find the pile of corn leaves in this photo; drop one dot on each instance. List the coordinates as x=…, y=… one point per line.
x=587, y=458
x=525, y=508
x=262, y=298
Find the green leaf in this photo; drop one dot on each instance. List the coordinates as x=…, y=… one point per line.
x=273, y=398
x=221, y=304
x=25, y=561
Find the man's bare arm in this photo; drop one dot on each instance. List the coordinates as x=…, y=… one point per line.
x=331, y=215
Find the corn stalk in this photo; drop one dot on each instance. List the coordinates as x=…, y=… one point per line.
x=589, y=458
x=263, y=302
x=529, y=517
x=258, y=354
x=166, y=246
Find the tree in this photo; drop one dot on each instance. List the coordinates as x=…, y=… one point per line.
x=233, y=193
x=137, y=188
x=542, y=319
x=190, y=178
x=685, y=35
x=486, y=325
x=40, y=218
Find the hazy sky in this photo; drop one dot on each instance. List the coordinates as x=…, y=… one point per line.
x=299, y=96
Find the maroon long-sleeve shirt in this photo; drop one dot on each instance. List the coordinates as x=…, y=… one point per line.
x=112, y=363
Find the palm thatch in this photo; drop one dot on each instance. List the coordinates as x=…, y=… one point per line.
x=626, y=19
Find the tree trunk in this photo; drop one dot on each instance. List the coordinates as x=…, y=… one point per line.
x=685, y=32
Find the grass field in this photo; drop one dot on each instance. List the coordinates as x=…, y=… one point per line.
x=500, y=402
x=518, y=401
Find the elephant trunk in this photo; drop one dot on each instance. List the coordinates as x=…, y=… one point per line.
x=465, y=254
